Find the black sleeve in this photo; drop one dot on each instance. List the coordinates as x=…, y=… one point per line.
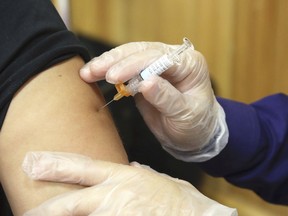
x=32, y=38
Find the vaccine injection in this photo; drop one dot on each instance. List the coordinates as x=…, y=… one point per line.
x=156, y=68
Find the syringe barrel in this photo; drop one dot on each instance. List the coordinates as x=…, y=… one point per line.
x=157, y=67
x=166, y=61
x=133, y=84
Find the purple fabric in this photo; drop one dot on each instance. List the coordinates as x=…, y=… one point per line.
x=256, y=156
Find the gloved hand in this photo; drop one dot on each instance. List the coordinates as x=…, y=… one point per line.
x=179, y=108
x=114, y=189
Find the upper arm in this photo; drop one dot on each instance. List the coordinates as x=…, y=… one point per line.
x=53, y=111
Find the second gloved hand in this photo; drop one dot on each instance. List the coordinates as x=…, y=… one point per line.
x=179, y=108
x=115, y=189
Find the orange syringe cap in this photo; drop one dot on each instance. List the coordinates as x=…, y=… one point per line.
x=122, y=91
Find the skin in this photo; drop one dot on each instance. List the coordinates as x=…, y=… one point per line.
x=54, y=111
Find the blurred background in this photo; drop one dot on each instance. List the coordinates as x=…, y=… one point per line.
x=245, y=44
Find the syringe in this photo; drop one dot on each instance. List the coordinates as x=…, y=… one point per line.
x=156, y=68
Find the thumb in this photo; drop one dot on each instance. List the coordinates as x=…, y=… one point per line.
x=163, y=96
x=67, y=168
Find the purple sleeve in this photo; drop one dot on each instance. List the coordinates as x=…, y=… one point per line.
x=256, y=156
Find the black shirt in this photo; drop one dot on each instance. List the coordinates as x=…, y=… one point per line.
x=32, y=38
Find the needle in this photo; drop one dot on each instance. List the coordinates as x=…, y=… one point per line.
x=122, y=91
x=105, y=105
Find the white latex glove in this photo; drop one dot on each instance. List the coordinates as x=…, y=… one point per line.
x=181, y=109
x=114, y=189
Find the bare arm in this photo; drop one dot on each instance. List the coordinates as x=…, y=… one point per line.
x=54, y=111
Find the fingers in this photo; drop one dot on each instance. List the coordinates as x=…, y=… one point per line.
x=97, y=68
x=163, y=96
x=191, y=71
x=67, y=168
x=139, y=52
x=81, y=202
x=131, y=66
x=124, y=62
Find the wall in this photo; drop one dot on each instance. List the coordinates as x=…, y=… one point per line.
x=245, y=42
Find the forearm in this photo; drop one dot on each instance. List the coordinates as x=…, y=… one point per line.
x=255, y=156
x=244, y=132
x=54, y=111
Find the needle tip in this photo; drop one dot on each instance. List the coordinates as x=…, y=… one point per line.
x=99, y=109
